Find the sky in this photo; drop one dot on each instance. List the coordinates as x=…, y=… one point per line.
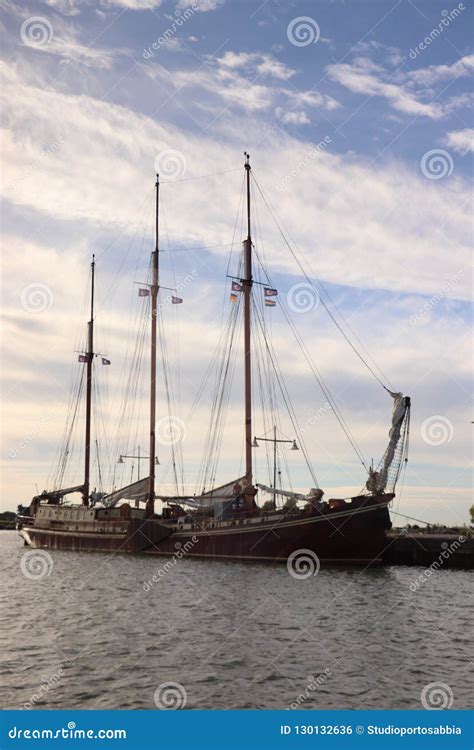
x=357, y=119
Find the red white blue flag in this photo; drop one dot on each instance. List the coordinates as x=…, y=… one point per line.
x=82, y=358
x=143, y=292
x=176, y=300
x=236, y=287
x=270, y=292
x=105, y=361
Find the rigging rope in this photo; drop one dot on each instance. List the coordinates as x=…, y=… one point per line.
x=319, y=379
x=310, y=282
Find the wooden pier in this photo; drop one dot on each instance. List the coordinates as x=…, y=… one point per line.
x=437, y=550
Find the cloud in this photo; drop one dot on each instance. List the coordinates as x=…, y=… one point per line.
x=405, y=91
x=204, y=6
x=363, y=77
x=374, y=212
x=434, y=73
x=247, y=80
x=311, y=99
x=292, y=118
x=461, y=141
x=74, y=7
x=264, y=65
x=65, y=7
x=55, y=36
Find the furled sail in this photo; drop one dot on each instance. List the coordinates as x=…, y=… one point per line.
x=313, y=495
x=224, y=492
x=135, y=492
x=388, y=469
x=55, y=495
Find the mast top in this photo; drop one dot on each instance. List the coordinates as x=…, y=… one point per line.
x=247, y=160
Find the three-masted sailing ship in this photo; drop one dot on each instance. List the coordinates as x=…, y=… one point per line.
x=227, y=521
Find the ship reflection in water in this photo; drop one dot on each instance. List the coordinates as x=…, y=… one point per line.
x=101, y=631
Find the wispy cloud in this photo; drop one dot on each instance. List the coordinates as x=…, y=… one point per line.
x=264, y=65
x=461, y=141
x=434, y=73
x=293, y=117
x=405, y=91
x=204, y=6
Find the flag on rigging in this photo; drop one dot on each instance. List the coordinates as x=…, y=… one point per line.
x=270, y=303
x=176, y=300
x=82, y=358
x=106, y=361
x=270, y=292
x=233, y=298
x=236, y=287
x=143, y=292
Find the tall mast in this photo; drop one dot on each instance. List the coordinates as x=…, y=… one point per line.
x=150, y=506
x=247, y=285
x=275, y=462
x=90, y=357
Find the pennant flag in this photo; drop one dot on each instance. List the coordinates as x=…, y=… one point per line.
x=176, y=300
x=82, y=358
x=270, y=303
x=143, y=292
x=233, y=298
x=236, y=287
x=105, y=361
x=270, y=292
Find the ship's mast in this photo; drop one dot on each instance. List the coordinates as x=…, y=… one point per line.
x=150, y=506
x=247, y=288
x=90, y=357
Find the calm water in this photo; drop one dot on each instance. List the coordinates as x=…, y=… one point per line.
x=232, y=635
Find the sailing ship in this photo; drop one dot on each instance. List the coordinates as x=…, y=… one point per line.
x=228, y=521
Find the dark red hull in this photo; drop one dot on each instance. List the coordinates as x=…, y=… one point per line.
x=359, y=538
x=343, y=536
